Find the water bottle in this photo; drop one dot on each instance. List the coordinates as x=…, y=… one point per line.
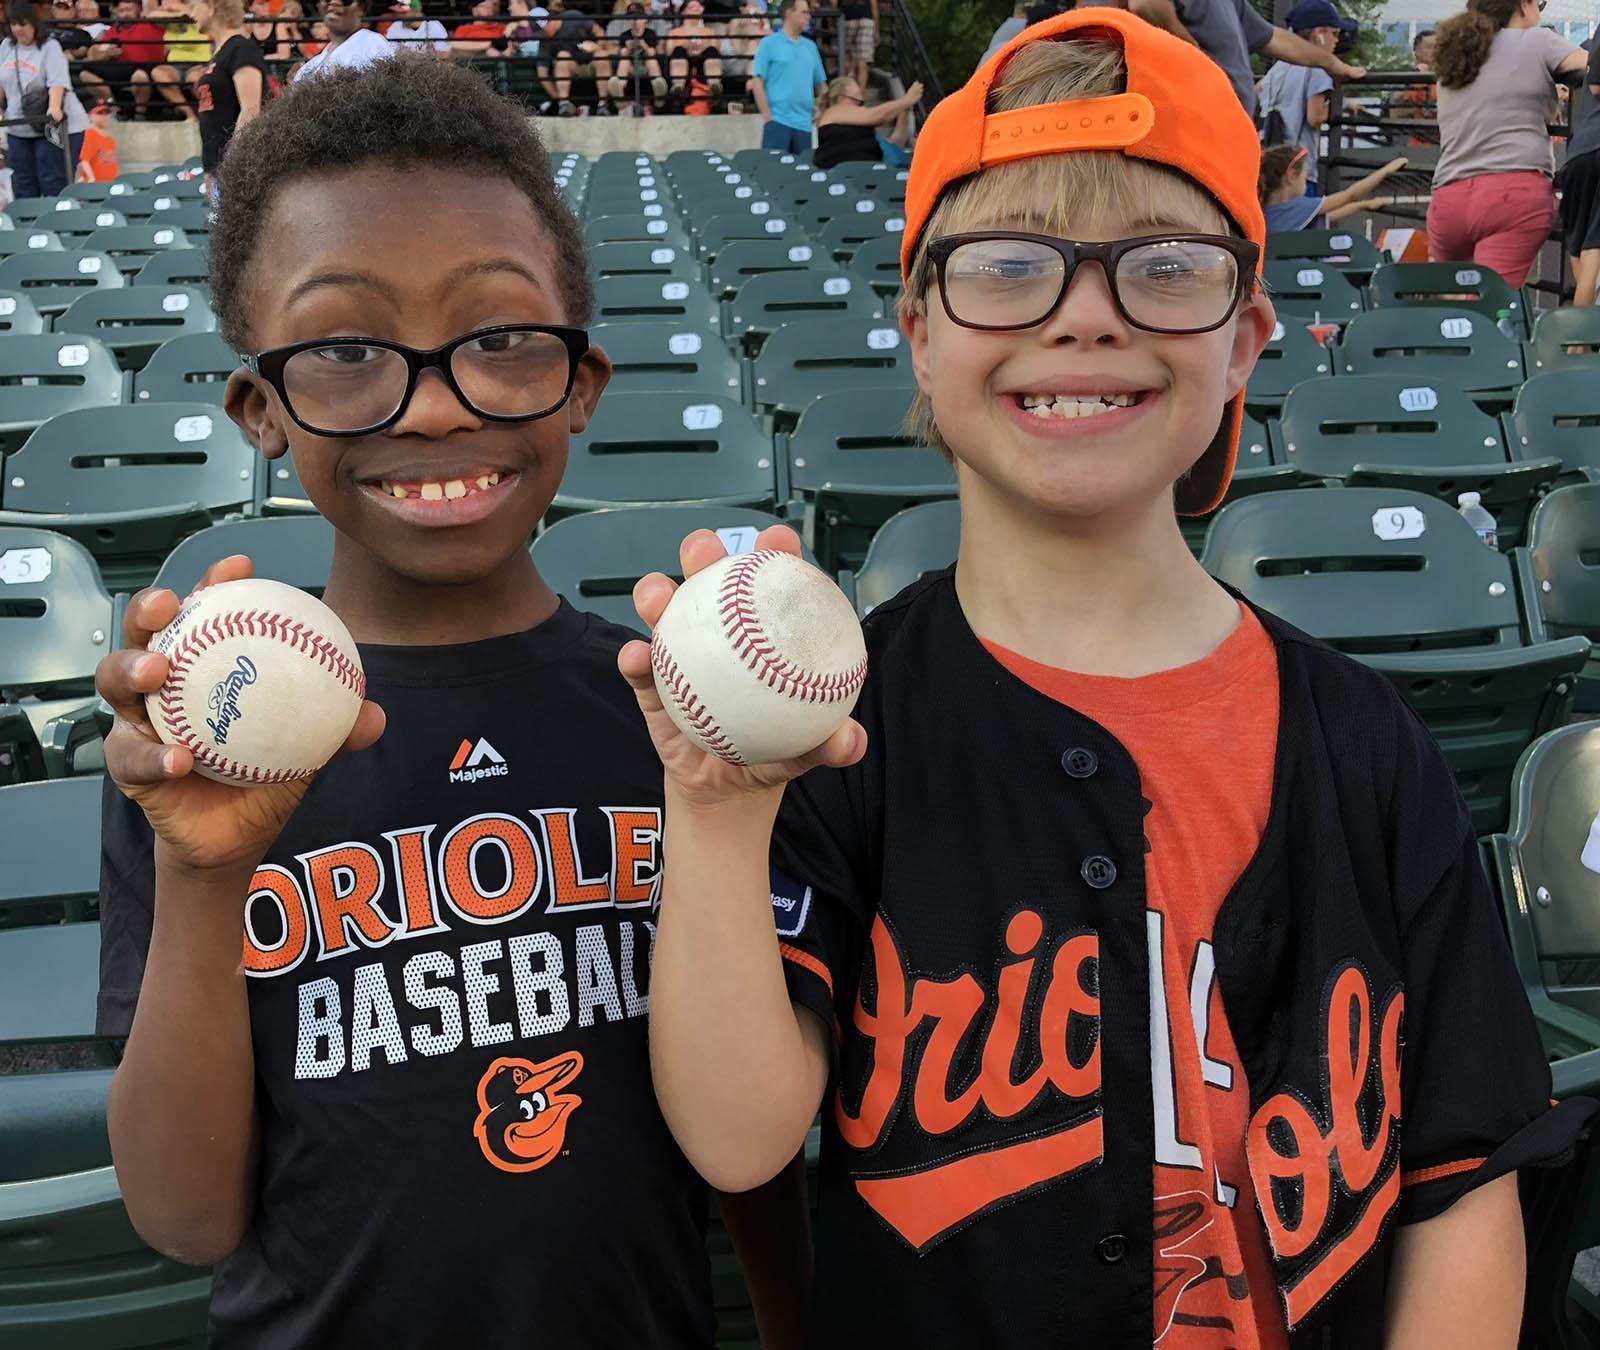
x=1502, y=321
x=1476, y=514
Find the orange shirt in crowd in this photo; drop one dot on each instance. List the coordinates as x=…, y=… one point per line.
x=1204, y=739
x=98, y=161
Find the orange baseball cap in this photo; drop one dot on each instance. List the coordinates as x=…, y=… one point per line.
x=1179, y=109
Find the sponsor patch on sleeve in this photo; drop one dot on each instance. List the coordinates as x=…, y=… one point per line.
x=791, y=904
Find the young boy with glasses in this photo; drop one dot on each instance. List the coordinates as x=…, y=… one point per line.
x=1134, y=944
x=386, y=1059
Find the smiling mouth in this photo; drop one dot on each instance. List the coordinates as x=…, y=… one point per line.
x=1076, y=405
x=441, y=489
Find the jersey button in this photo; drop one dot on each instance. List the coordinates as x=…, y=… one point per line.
x=1112, y=1248
x=1099, y=871
x=1080, y=763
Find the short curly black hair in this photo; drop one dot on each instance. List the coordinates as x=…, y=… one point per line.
x=405, y=112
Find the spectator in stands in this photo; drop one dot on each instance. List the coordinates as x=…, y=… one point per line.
x=484, y=35
x=1580, y=183
x=1229, y=30
x=89, y=19
x=276, y=38
x=97, y=162
x=187, y=55
x=413, y=33
x=788, y=73
x=745, y=33
x=1007, y=30
x=1417, y=101
x=570, y=40
x=122, y=64
x=1288, y=206
x=694, y=55
x=1422, y=49
x=860, y=19
x=522, y=34
x=1294, y=103
x=350, y=43
x=638, y=57
x=233, y=84
x=73, y=38
x=1493, y=201
x=848, y=128
x=336, y=1200
x=33, y=76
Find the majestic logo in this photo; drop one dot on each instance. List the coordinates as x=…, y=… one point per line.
x=224, y=699
x=924, y=1206
x=523, y=1112
x=1305, y=1159
x=475, y=761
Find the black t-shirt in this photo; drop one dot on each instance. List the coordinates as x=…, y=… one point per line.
x=460, y=1143
x=841, y=141
x=855, y=9
x=219, y=100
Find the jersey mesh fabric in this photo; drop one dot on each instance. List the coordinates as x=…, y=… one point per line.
x=1204, y=739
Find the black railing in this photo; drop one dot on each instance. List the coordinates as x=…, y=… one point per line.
x=908, y=58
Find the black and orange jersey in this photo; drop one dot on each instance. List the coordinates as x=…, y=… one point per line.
x=969, y=908
x=448, y=954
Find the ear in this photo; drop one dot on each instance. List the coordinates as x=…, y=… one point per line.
x=594, y=373
x=250, y=403
x=1252, y=330
x=914, y=324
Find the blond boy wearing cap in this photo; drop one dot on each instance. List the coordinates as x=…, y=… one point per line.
x=1133, y=943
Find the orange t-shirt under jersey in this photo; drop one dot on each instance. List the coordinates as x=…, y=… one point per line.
x=1204, y=739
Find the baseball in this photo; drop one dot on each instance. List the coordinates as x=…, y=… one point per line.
x=264, y=682
x=758, y=658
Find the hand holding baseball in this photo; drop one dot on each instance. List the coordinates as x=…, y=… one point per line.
x=200, y=823
x=704, y=778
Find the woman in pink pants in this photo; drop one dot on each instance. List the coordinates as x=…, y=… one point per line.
x=1493, y=203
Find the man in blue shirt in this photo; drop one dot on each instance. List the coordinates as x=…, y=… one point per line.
x=788, y=73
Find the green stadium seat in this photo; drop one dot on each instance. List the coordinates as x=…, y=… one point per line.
x=31, y=239
x=631, y=258
x=716, y=232
x=878, y=263
x=853, y=465
x=129, y=482
x=53, y=280
x=594, y=559
x=1290, y=356
x=132, y=245
x=650, y=202
x=1447, y=284
x=193, y=218
x=1547, y=866
x=1563, y=590
x=606, y=229
x=1308, y=291
x=811, y=357
x=279, y=491
x=765, y=303
x=650, y=448
x=42, y=374
x=1558, y=413
x=142, y=205
x=56, y=620
x=193, y=368
x=1557, y=330
x=656, y=357
x=140, y=180
x=134, y=320
x=911, y=544
x=24, y=210
x=80, y=192
x=1350, y=253
x=296, y=550
x=1259, y=468
x=1434, y=346
x=1390, y=431
x=847, y=235
x=1399, y=581
x=177, y=267
x=17, y=314
x=739, y=261
x=77, y=224
x=686, y=304
x=51, y=835
x=21, y=757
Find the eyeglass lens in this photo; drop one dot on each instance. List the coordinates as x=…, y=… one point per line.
x=348, y=387
x=1169, y=285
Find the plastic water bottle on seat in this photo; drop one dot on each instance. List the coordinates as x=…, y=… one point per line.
x=1476, y=514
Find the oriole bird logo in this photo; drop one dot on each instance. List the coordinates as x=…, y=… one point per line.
x=522, y=1111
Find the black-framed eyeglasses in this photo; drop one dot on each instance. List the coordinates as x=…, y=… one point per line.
x=1002, y=280
x=355, y=386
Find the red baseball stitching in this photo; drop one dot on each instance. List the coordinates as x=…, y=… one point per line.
x=694, y=711
x=247, y=623
x=736, y=603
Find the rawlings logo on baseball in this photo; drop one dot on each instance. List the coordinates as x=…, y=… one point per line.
x=758, y=658
x=289, y=649
x=225, y=699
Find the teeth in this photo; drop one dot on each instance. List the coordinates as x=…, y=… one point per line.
x=483, y=482
x=432, y=492
x=454, y=490
x=397, y=490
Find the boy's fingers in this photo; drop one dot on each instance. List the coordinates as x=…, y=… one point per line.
x=651, y=594
x=780, y=537
x=235, y=567
x=839, y=751
x=700, y=550
x=133, y=760
x=147, y=614
x=370, y=723
x=634, y=663
x=124, y=678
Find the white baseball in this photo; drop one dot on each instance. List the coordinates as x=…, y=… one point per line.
x=758, y=657
x=264, y=683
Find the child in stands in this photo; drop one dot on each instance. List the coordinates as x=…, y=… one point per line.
x=1094, y=935
x=386, y=1063
x=1282, y=189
